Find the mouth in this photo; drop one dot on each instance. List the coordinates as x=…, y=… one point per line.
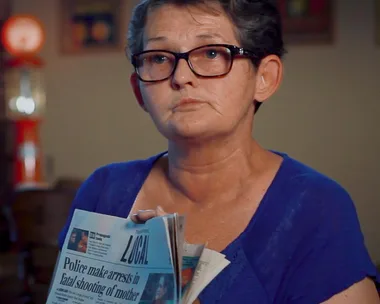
x=187, y=104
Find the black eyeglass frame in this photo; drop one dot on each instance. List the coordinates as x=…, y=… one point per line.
x=234, y=50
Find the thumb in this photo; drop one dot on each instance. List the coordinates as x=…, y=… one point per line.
x=144, y=215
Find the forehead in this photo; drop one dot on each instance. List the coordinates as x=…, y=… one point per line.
x=186, y=24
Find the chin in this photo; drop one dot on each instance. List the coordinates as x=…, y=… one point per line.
x=190, y=133
x=193, y=128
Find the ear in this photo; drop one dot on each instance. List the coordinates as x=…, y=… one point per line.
x=134, y=80
x=268, y=77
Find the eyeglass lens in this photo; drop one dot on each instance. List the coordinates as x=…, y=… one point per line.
x=207, y=61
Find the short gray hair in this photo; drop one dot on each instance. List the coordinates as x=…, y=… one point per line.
x=258, y=24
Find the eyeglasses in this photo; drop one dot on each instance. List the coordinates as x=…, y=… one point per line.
x=213, y=60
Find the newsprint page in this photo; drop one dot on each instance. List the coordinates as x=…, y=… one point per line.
x=111, y=260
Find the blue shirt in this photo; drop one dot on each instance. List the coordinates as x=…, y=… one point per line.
x=303, y=245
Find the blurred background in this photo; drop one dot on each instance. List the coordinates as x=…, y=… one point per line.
x=326, y=114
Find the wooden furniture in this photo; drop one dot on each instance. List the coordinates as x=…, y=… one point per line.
x=5, y=127
x=68, y=184
x=39, y=216
x=9, y=284
x=6, y=131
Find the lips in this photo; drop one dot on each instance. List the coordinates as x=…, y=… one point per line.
x=188, y=102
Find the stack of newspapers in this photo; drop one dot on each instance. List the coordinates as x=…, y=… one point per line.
x=107, y=259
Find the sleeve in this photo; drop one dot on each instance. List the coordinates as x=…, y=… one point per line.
x=86, y=198
x=334, y=256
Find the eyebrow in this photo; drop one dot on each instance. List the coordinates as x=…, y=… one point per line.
x=200, y=36
x=210, y=36
x=159, y=38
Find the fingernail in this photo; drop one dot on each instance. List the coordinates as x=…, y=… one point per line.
x=159, y=208
x=148, y=210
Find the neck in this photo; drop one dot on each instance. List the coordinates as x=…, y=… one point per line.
x=215, y=170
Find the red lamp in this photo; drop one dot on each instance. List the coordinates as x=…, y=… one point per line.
x=23, y=37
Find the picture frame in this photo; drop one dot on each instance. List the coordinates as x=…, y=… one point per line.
x=377, y=22
x=92, y=26
x=307, y=21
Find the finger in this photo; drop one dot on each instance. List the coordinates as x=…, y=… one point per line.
x=143, y=215
x=134, y=218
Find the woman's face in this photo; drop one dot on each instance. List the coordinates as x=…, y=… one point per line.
x=73, y=237
x=223, y=104
x=161, y=289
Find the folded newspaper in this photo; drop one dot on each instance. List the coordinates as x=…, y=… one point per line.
x=107, y=259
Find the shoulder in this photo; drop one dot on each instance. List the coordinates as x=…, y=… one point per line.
x=120, y=170
x=110, y=189
x=312, y=188
x=320, y=232
x=110, y=182
x=321, y=207
x=119, y=173
x=300, y=205
x=330, y=251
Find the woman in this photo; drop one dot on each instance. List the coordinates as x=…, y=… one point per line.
x=202, y=68
x=161, y=291
x=73, y=243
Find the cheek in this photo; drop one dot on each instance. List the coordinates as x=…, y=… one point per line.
x=151, y=96
x=157, y=99
x=231, y=93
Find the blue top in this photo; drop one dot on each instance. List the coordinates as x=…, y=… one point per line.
x=303, y=245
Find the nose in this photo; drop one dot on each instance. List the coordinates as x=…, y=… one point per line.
x=183, y=75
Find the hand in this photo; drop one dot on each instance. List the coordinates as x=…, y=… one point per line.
x=143, y=215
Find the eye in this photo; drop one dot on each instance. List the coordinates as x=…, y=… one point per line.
x=159, y=59
x=211, y=53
